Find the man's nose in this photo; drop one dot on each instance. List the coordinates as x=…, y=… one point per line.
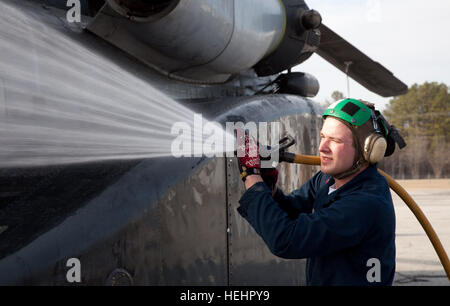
x=324, y=146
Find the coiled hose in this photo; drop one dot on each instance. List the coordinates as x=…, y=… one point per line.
x=315, y=160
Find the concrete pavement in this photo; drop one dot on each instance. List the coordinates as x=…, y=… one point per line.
x=417, y=262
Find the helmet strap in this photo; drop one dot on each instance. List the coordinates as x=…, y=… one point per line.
x=357, y=163
x=355, y=168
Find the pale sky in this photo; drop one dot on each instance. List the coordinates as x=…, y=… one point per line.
x=411, y=38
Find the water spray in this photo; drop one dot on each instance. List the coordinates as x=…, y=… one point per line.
x=62, y=102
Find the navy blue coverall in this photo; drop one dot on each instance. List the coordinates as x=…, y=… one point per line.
x=337, y=232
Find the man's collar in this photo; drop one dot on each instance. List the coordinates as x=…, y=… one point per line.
x=370, y=171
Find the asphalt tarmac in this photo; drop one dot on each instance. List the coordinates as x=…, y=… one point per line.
x=417, y=263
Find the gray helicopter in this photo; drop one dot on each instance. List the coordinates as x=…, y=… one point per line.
x=165, y=220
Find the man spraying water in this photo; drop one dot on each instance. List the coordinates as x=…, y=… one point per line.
x=342, y=219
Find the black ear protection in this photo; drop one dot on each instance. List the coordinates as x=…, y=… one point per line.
x=375, y=145
x=393, y=135
x=382, y=141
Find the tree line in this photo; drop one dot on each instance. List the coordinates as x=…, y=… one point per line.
x=423, y=117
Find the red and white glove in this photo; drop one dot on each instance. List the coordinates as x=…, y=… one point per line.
x=250, y=162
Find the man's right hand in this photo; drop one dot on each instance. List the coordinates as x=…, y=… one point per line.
x=249, y=151
x=250, y=164
x=249, y=161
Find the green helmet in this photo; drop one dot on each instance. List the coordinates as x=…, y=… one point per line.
x=353, y=111
x=369, y=133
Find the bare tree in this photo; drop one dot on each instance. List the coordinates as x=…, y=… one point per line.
x=416, y=153
x=337, y=95
x=439, y=157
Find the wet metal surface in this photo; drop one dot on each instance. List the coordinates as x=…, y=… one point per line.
x=250, y=261
x=200, y=41
x=162, y=220
x=165, y=222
